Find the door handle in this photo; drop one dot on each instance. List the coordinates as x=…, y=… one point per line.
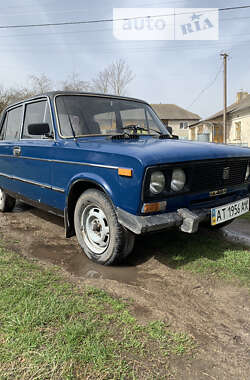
x=16, y=150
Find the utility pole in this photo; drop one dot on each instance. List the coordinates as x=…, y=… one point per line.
x=224, y=55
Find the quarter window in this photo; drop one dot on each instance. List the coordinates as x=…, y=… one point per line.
x=37, y=112
x=14, y=123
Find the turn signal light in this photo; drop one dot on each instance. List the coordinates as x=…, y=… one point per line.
x=125, y=172
x=154, y=207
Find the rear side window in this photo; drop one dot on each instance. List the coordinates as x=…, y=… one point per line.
x=14, y=121
x=38, y=112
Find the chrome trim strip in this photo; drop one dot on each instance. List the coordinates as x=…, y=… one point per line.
x=86, y=164
x=32, y=182
x=43, y=185
x=5, y=175
x=63, y=162
x=57, y=189
x=217, y=192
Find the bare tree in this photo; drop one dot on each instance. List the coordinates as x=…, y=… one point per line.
x=74, y=83
x=12, y=95
x=101, y=82
x=40, y=84
x=36, y=85
x=120, y=75
x=114, y=79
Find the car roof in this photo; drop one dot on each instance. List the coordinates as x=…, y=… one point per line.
x=53, y=94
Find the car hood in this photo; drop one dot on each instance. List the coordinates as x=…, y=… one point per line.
x=151, y=151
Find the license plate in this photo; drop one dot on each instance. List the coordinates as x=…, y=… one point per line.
x=230, y=211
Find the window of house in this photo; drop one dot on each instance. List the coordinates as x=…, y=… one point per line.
x=37, y=112
x=238, y=130
x=14, y=120
x=183, y=125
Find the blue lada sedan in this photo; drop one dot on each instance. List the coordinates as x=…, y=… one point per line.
x=112, y=170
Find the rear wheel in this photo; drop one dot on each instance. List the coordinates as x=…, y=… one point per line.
x=7, y=203
x=98, y=232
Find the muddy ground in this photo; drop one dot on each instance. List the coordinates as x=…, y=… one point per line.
x=216, y=314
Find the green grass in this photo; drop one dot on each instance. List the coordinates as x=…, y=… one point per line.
x=246, y=216
x=53, y=329
x=204, y=252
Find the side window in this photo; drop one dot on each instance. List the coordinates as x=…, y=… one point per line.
x=14, y=123
x=3, y=129
x=37, y=112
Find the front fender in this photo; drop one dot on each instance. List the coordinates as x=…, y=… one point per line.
x=91, y=178
x=75, y=187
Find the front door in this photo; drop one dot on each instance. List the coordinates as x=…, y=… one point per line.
x=33, y=166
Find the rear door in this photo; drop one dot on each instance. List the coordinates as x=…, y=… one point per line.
x=9, y=138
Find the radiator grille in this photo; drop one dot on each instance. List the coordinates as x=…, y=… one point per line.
x=218, y=174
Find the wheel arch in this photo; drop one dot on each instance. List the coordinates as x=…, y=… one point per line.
x=76, y=188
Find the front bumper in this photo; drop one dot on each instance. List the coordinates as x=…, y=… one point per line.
x=187, y=220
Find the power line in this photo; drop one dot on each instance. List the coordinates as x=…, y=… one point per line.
x=108, y=20
x=95, y=30
x=207, y=87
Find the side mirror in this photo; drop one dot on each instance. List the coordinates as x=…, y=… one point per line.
x=38, y=129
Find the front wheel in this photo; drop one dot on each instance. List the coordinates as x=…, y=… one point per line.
x=98, y=232
x=7, y=203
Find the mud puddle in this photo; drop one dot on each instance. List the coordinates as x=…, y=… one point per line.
x=50, y=245
x=78, y=265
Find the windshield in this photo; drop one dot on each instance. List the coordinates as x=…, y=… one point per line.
x=81, y=115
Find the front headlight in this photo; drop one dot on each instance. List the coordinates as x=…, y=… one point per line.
x=178, y=180
x=247, y=172
x=157, y=182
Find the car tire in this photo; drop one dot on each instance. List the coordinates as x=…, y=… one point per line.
x=98, y=232
x=7, y=203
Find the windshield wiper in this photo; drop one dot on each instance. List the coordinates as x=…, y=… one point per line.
x=136, y=127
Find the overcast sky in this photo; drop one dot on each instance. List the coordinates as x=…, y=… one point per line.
x=165, y=71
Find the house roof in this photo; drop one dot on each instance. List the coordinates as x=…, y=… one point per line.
x=244, y=103
x=174, y=112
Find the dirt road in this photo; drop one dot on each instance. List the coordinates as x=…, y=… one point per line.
x=217, y=315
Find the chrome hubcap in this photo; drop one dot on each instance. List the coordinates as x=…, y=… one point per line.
x=95, y=229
